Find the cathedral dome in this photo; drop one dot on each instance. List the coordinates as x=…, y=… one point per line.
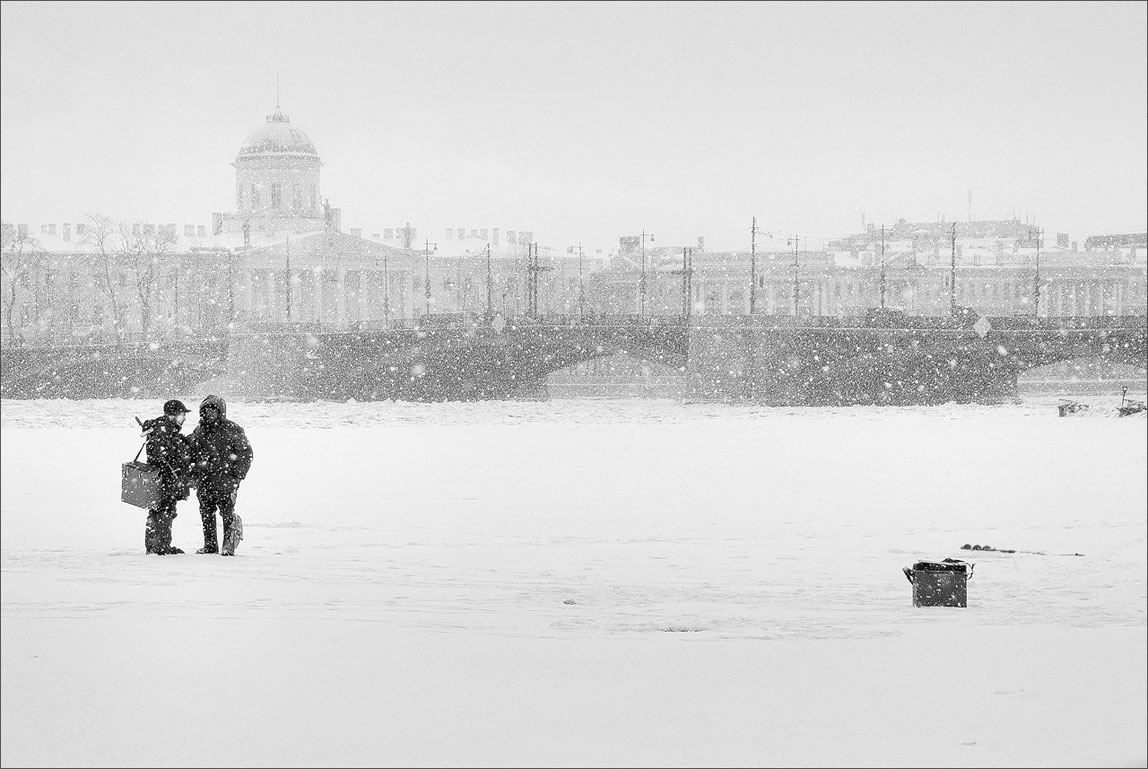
x=277, y=137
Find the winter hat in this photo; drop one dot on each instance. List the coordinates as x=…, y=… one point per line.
x=174, y=407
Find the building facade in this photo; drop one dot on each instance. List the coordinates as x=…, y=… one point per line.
x=282, y=256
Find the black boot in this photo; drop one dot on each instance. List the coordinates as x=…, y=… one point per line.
x=210, y=536
x=163, y=536
x=151, y=534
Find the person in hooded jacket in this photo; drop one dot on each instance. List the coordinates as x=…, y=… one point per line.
x=168, y=450
x=221, y=457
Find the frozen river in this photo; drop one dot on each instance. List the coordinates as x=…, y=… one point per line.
x=580, y=582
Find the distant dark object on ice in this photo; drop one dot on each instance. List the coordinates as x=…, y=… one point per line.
x=985, y=547
x=991, y=549
x=1067, y=408
x=1127, y=406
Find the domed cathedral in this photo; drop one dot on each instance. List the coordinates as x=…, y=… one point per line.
x=276, y=182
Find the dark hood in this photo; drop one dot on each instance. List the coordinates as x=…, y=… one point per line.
x=222, y=404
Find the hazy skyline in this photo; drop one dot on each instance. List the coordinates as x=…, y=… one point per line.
x=588, y=121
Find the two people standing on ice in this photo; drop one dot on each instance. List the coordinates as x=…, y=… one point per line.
x=214, y=460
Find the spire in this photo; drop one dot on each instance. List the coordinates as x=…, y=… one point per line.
x=278, y=117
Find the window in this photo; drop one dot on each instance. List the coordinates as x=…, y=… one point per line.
x=449, y=233
x=314, y=197
x=296, y=197
x=239, y=196
x=254, y=197
x=276, y=194
x=461, y=233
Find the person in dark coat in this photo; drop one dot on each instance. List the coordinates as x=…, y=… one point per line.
x=168, y=450
x=221, y=456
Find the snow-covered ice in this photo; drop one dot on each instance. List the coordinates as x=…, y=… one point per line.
x=583, y=583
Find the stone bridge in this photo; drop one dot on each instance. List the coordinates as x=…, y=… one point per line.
x=778, y=360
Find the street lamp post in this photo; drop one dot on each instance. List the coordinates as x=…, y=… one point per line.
x=533, y=268
x=581, y=288
x=953, y=272
x=386, y=292
x=288, y=279
x=882, y=267
x=1036, y=279
x=686, y=272
x=754, y=231
x=793, y=242
x=427, y=288
x=642, y=279
x=489, y=287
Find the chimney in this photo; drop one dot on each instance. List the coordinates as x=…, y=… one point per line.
x=189, y=230
x=200, y=230
x=701, y=242
x=217, y=224
x=67, y=231
x=356, y=232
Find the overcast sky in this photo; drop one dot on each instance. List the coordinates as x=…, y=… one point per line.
x=588, y=121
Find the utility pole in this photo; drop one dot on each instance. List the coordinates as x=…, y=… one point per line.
x=581, y=286
x=642, y=280
x=489, y=287
x=386, y=294
x=458, y=293
x=752, y=266
x=532, y=270
x=427, y=290
x=687, y=274
x=753, y=232
x=288, y=267
x=795, y=284
x=953, y=273
x=230, y=288
x=882, y=267
x=529, y=280
x=1036, y=280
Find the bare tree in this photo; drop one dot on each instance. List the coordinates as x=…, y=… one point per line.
x=19, y=254
x=102, y=234
x=143, y=252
